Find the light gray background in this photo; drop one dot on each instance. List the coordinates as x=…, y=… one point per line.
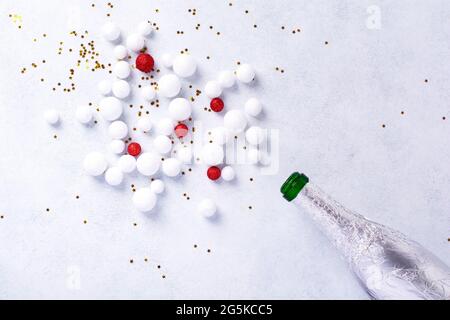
x=329, y=105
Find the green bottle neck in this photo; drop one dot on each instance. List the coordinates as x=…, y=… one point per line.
x=293, y=185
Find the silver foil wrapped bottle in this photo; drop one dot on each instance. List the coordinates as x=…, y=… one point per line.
x=387, y=264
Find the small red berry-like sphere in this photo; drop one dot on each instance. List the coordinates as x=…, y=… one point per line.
x=145, y=62
x=216, y=105
x=213, y=173
x=134, y=149
x=181, y=130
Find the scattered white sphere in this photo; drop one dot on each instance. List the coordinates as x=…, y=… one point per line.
x=184, y=154
x=144, y=199
x=162, y=144
x=145, y=28
x=171, y=167
x=118, y=130
x=213, y=89
x=165, y=126
x=169, y=85
x=255, y=135
x=51, y=116
x=120, y=52
x=157, y=186
x=148, y=163
x=226, y=79
x=184, y=65
x=122, y=69
x=148, y=93
x=228, y=173
x=207, y=208
x=95, y=163
x=235, y=121
x=167, y=60
x=135, y=42
x=110, y=31
x=212, y=154
x=127, y=163
x=253, y=156
x=219, y=135
x=144, y=124
x=83, y=114
x=113, y=176
x=111, y=108
x=253, y=107
x=104, y=87
x=117, y=146
x=245, y=73
x=180, y=109
x=121, y=89
x=264, y=158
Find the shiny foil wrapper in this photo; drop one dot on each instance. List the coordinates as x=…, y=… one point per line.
x=388, y=265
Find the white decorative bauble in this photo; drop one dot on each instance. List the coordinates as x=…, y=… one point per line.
x=111, y=108
x=212, y=154
x=219, y=135
x=180, y=109
x=207, y=208
x=95, y=163
x=83, y=114
x=162, y=144
x=169, y=85
x=122, y=69
x=144, y=199
x=135, y=42
x=165, y=126
x=110, y=31
x=226, y=79
x=235, y=121
x=245, y=73
x=117, y=146
x=127, y=163
x=145, y=28
x=104, y=87
x=120, y=52
x=121, y=89
x=148, y=93
x=167, y=60
x=148, y=163
x=184, y=65
x=171, y=167
x=113, y=176
x=157, y=186
x=213, y=89
x=51, y=116
x=184, y=154
x=253, y=107
x=255, y=135
x=144, y=124
x=228, y=173
x=118, y=130
x=252, y=156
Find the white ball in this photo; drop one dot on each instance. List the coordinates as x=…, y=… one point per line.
x=117, y=146
x=157, y=186
x=167, y=60
x=127, y=163
x=95, y=163
x=104, y=87
x=212, y=154
x=120, y=52
x=121, y=89
x=122, y=69
x=135, y=42
x=171, y=167
x=219, y=135
x=111, y=108
x=162, y=144
x=145, y=28
x=207, y=208
x=255, y=135
x=110, y=31
x=184, y=65
x=148, y=93
x=144, y=199
x=245, y=73
x=118, y=130
x=144, y=124
x=264, y=158
x=213, y=89
x=83, y=114
x=169, y=85
x=180, y=109
x=253, y=156
x=113, y=176
x=253, y=107
x=235, y=121
x=165, y=126
x=184, y=154
x=148, y=163
x=227, y=79
x=51, y=116
x=228, y=173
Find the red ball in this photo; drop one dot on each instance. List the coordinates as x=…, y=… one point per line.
x=213, y=173
x=145, y=62
x=216, y=105
x=181, y=130
x=134, y=149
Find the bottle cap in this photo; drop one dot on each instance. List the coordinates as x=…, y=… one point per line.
x=293, y=185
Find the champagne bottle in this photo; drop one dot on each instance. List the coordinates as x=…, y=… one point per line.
x=386, y=263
